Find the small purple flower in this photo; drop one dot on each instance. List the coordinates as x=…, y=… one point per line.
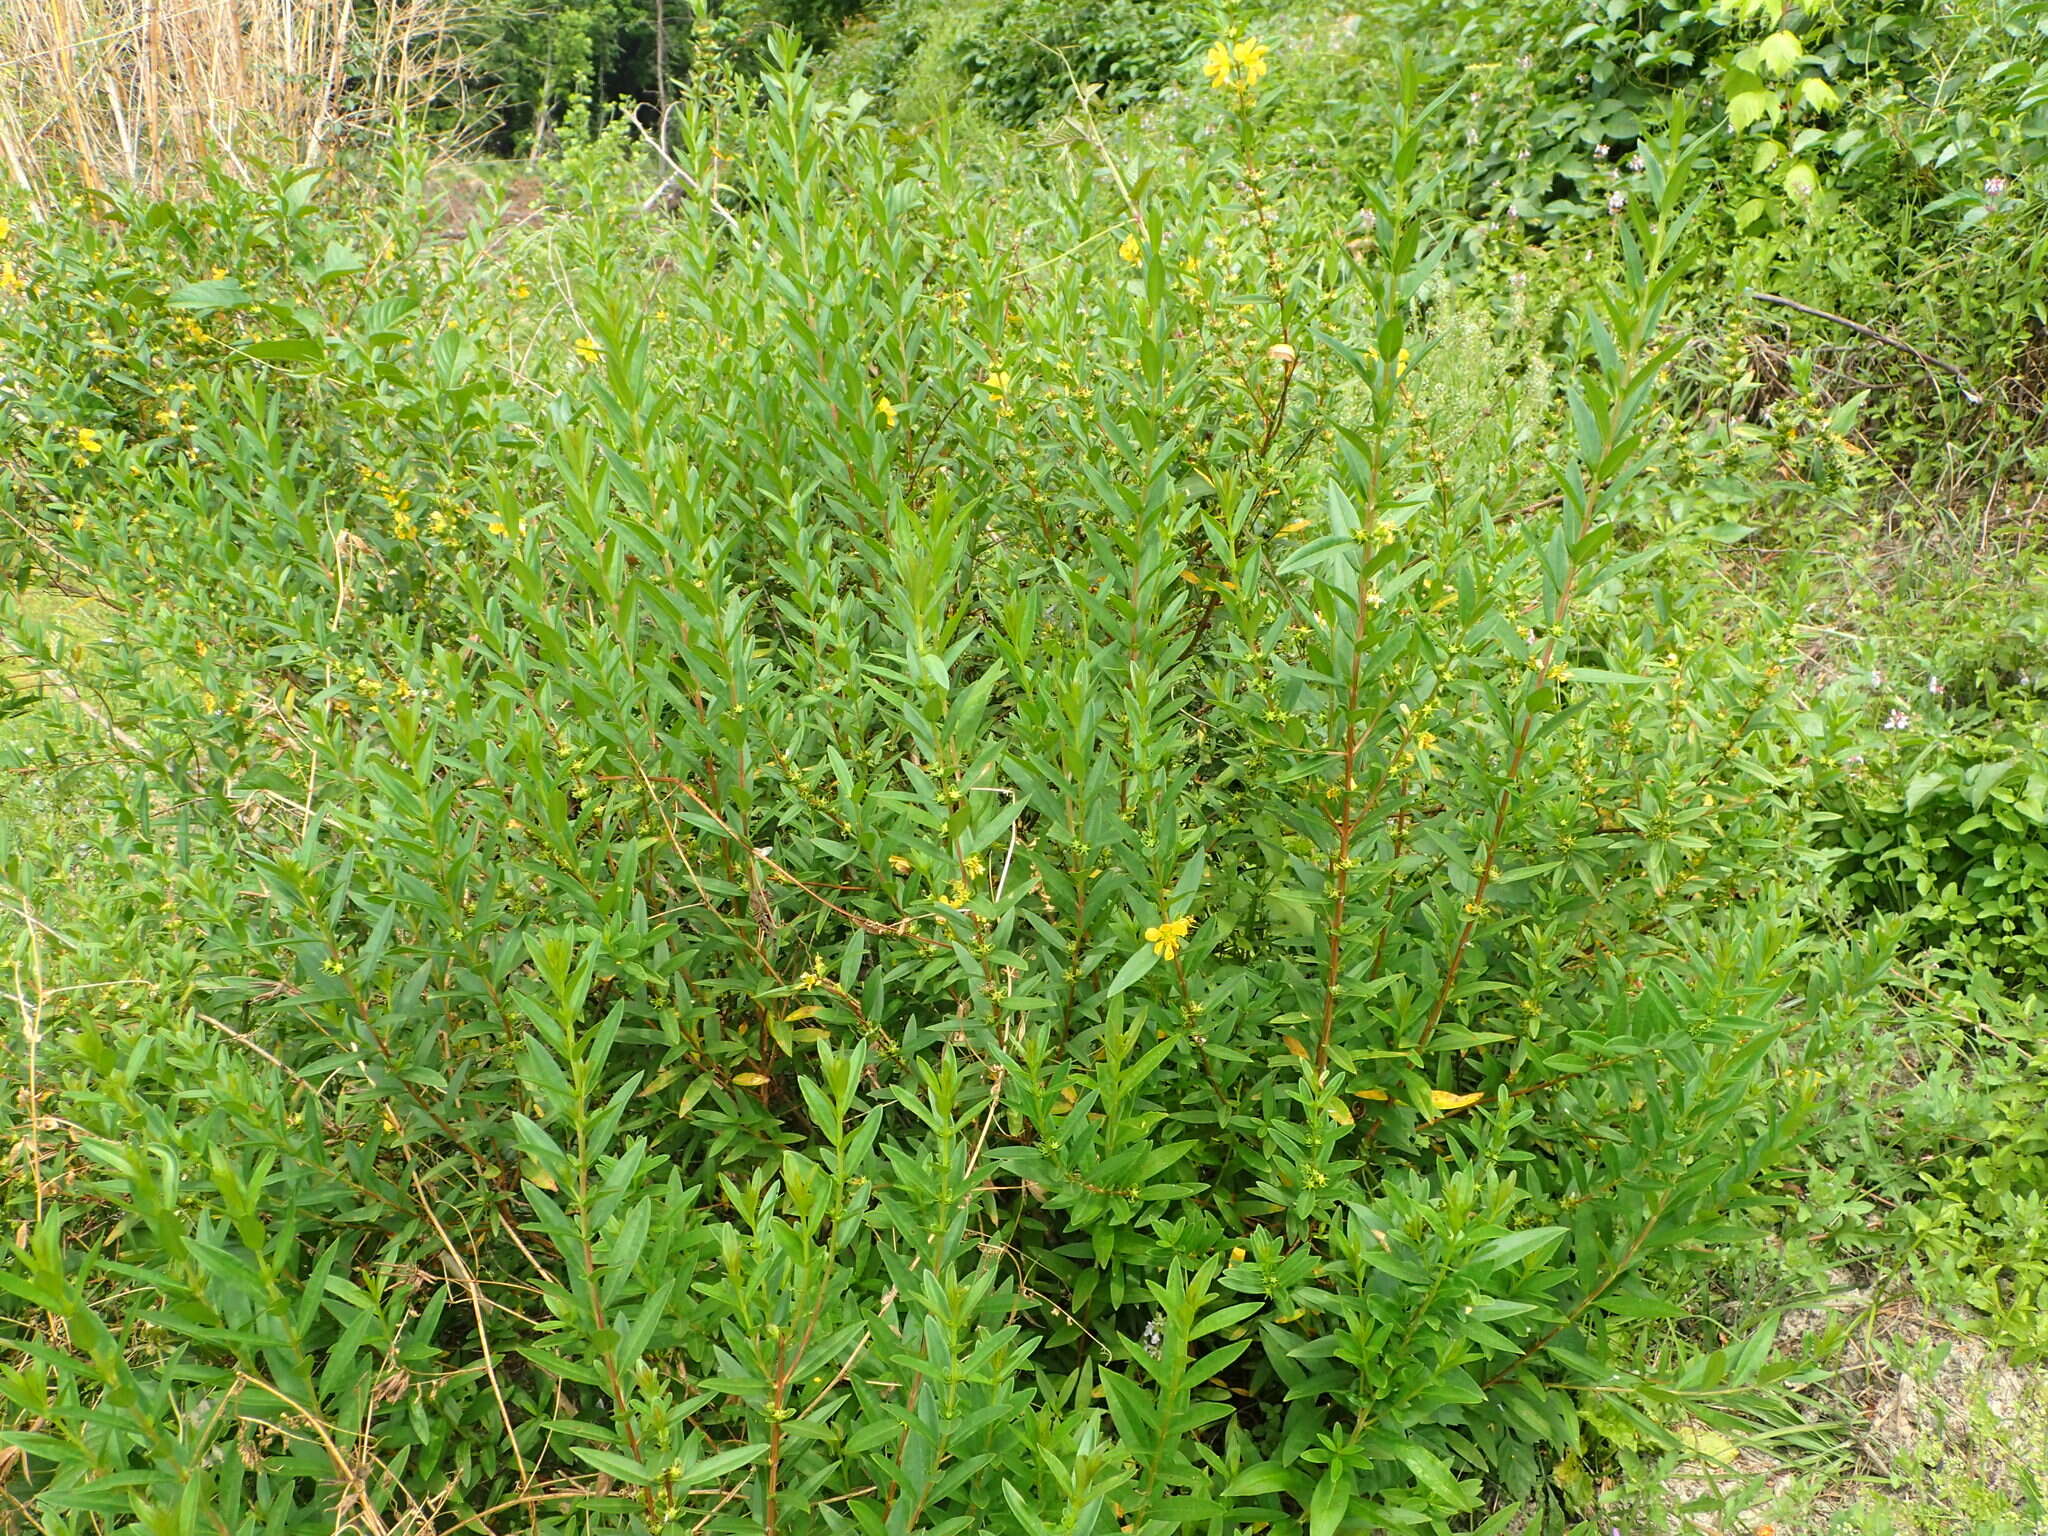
x=1897, y=720
x=1637, y=163
x=1617, y=200
x=1995, y=188
x=1599, y=151
x=1934, y=687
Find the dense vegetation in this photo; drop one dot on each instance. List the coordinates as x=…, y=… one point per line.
x=1091, y=770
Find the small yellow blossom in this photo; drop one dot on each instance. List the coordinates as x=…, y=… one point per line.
x=88, y=441
x=899, y=863
x=1167, y=938
x=997, y=384
x=1130, y=250
x=888, y=410
x=588, y=349
x=522, y=291
x=1236, y=66
x=6, y=229
x=498, y=529
x=10, y=280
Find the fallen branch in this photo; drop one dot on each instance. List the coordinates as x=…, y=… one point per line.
x=1860, y=329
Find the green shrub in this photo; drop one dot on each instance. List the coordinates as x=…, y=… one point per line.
x=1027, y=57
x=1958, y=841
x=870, y=878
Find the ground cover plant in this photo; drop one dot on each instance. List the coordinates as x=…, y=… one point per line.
x=877, y=827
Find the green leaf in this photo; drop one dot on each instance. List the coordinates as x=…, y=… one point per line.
x=625, y=1468
x=1262, y=1477
x=1134, y=970
x=214, y=294
x=1601, y=675
x=288, y=349
x=1327, y=1504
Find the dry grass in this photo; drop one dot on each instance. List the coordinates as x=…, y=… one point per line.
x=145, y=91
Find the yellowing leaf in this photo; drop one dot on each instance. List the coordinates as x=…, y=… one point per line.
x=808, y=1011
x=1295, y=1047
x=1443, y=1100
x=1779, y=52
x=1749, y=107
x=1709, y=1443
x=749, y=1080
x=1819, y=95
x=1373, y=1093
x=1340, y=1114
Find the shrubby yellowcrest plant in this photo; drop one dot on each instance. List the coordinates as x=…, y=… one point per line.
x=652, y=1023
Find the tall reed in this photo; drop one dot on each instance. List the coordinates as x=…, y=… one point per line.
x=143, y=91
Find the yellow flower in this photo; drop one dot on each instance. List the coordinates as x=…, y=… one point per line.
x=10, y=280
x=1130, y=250
x=1250, y=58
x=1168, y=937
x=6, y=229
x=497, y=529
x=1236, y=66
x=888, y=409
x=899, y=863
x=88, y=441
x=587, y=349
x=997, y=384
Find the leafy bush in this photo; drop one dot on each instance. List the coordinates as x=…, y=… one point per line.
x=864, y=879
x=1027, y=57
x=1959, y=843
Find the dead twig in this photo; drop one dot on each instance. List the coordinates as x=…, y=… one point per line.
x=1969, y=393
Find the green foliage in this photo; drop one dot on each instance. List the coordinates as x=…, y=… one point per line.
x=869, y=877
x=1946, y=821
x=550, y=66
x=1027, y=56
